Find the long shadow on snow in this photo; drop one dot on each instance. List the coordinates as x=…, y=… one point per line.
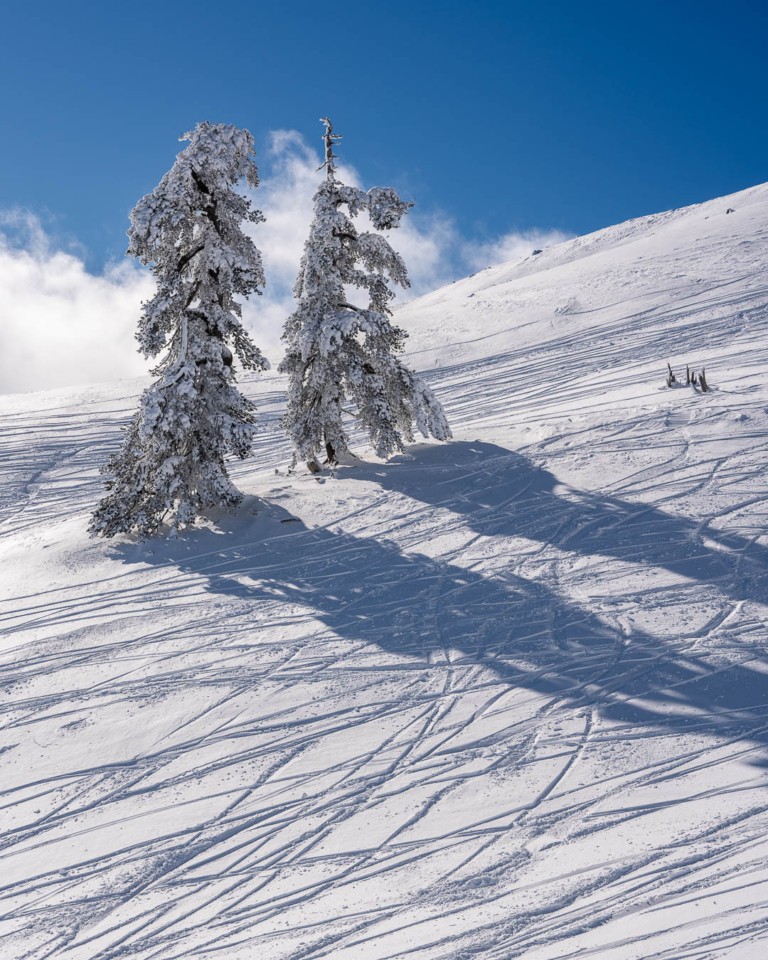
x=500, y=493
x=497, y=492
x=434, y=613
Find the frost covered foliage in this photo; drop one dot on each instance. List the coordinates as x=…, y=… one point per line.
x=341, y=358
x=170, y=467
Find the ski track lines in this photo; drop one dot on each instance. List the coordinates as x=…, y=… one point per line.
x=506, y=697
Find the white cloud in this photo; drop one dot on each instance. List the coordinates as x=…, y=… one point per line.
x=511, y=246
x=63, y=325
x=285, y=197
x=60, y=324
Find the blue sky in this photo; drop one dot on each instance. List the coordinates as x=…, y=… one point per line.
x=503, y=115
x=510, y=124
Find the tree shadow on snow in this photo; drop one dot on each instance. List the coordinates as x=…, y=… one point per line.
x=436, y=614
x=501, y=493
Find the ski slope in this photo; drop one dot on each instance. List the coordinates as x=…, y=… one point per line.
x=503, y=697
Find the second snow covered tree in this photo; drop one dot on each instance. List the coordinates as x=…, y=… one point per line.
x=170, y=467
x=341, y=358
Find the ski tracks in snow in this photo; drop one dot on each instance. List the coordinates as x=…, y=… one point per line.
x=469, y=703
x=336, y=741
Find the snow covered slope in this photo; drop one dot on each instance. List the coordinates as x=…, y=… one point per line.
x=504, y=697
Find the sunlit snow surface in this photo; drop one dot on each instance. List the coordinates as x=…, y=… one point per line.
x=504, y=697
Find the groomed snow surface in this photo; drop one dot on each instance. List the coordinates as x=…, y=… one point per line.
x=502, y=697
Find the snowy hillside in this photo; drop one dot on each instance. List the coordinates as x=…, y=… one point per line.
x=503, y=697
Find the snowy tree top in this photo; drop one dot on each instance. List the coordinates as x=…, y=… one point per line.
x=219, y=155
x=189, y=229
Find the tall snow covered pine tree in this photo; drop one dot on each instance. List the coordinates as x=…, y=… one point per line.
x=170, y=467
x=340, y=357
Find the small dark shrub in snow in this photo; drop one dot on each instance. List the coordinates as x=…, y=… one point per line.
x=692, y=379
x=170, y=467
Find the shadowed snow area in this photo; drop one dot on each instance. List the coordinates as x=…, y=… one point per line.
x=502, y=697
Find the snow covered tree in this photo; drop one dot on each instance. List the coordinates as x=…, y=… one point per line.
x=170, y=467
x=341, y=358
